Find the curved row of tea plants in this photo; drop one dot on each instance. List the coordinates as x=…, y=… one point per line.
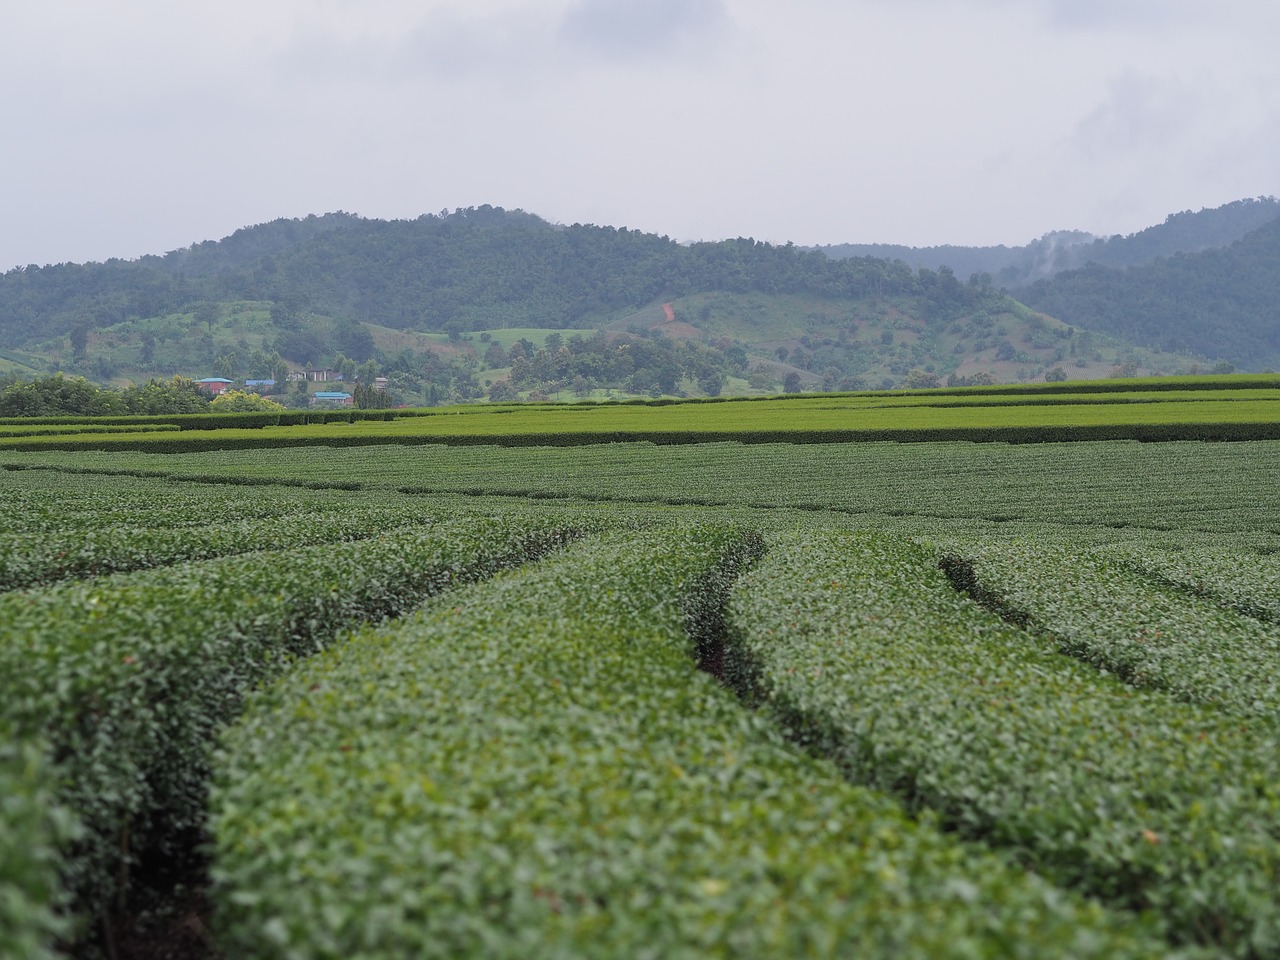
x=535, y=768
x=57, y=501
x=1247, y=581
x=860, y=646
x=30, y=559
x=127, y=677
x=1096, y=607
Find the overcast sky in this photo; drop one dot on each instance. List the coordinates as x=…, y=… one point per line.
x=140, y=126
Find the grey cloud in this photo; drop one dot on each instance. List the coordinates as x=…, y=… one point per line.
x=1147, y=15
x=528, y=42
x=442, y=45
x=642, y=28
x=1140, y=113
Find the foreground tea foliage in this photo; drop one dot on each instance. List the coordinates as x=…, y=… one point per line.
x=862, y=649
x=535, y=767
x=32, y=831
x=128, y=677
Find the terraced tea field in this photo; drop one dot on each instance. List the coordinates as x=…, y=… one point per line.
x=935, y=699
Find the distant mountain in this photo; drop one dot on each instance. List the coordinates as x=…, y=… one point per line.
x=430, y=300
x=1221, y=302
x=470, y=269
x=1017, y=267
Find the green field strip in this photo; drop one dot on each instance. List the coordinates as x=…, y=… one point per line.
x=1095, y=606
x=28, y=560
x=536, y=768
x=1135, y=396
x=1214, y=488
x=808, y=420
x=38, y=430
x=859, y=645
x=129, y=676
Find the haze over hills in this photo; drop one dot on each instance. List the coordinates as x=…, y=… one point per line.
x=1061, y=250
x=429, y=299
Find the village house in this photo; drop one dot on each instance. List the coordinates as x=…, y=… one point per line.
x=214, y=385
x=323, y=398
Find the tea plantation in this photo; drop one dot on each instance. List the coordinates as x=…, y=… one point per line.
x=626, y=699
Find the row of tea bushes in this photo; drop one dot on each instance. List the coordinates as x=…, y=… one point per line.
x=30, y=559
x=1217, y=489
x=534, y=767
x=62, y=501
x=1096, y=607
x=129, y=676
x=859, y=646
x=1245, y=581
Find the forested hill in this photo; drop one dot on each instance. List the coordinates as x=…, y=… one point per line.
x=1062, y=250
x=1222, y=302
x=470, y=269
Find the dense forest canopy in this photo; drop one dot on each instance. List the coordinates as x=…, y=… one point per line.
x=1223, y=302
x=465, y=270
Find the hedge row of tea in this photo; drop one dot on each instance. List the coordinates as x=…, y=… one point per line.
x=1096, y=606
x=1248, y=582
x=860, y=646
x=121, y=682
x=536, y=768
x=64, y=500
x=29, y=559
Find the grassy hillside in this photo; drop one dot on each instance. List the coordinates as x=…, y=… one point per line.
x=885, y=343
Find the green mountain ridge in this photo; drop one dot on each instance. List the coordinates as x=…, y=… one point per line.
x=426, y=300
x=1063, y=250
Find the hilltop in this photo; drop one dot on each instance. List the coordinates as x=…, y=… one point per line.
x=1062, y=250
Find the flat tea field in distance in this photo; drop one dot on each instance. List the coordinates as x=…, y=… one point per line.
x=939, y=698
x=1236, y=407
